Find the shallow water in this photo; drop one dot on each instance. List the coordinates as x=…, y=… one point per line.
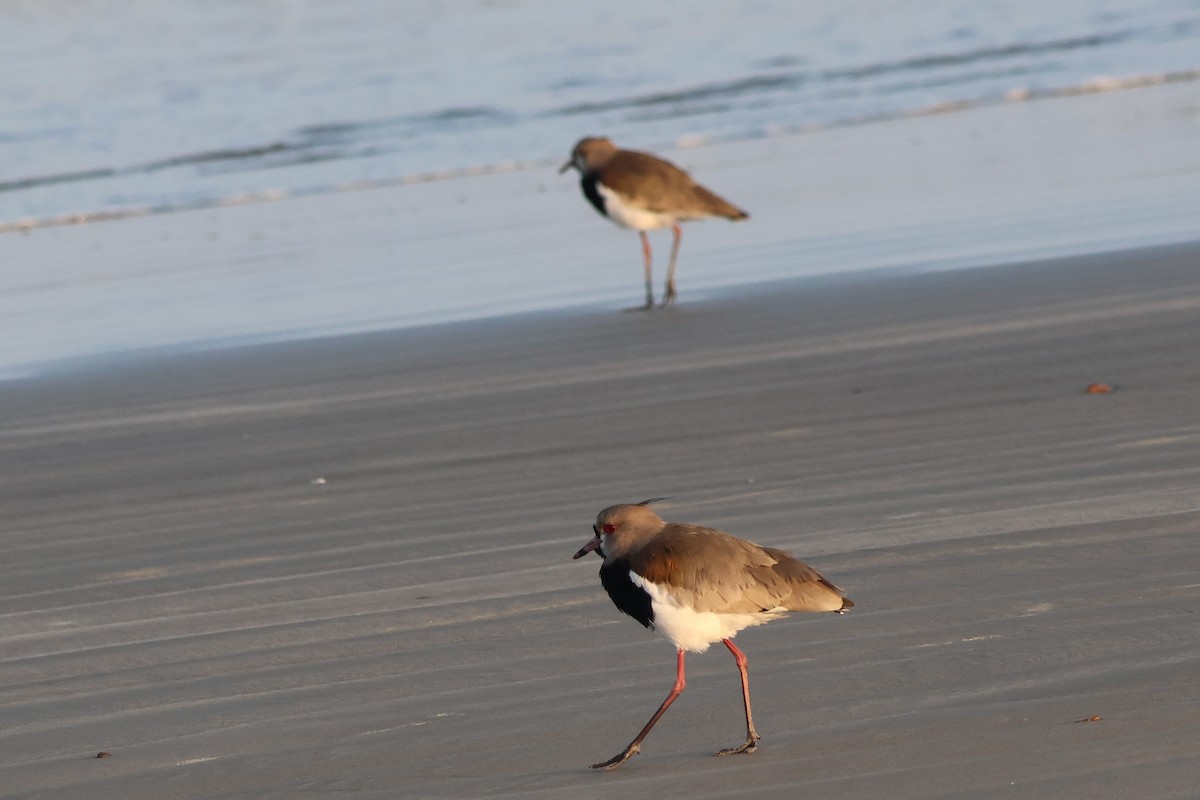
x=163, y=104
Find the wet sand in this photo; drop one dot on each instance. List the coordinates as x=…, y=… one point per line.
x=342, y=567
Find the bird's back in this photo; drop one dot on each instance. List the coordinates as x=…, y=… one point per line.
x=711, y=571
x=657, y=185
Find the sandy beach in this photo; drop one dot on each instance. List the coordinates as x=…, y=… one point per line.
x=341, y=568
x=313, y=377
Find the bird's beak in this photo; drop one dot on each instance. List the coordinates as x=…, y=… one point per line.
x=593, y=545
x=566, y=166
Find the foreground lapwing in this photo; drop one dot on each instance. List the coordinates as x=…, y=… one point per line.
x=698, y=586
x=643, y=192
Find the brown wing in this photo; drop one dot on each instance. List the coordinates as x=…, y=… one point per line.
x=808, y=590
x=658, y=185
x=713, y=571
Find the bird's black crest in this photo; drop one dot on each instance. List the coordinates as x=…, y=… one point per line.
x=652, y=500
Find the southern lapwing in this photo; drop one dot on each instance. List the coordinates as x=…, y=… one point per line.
x=643, y=192
x=698, y=586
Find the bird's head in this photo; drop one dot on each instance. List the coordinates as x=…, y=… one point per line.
x=620, y=529
x=590, y=154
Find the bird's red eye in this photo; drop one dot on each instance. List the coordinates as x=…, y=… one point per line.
x=609, y=528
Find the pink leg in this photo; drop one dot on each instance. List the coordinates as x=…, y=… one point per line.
x=636, y=744
x=646, y=258
x=669, y=297
x=752, y=736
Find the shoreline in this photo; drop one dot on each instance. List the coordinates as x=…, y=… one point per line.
x=988, y=186
x=457, y=329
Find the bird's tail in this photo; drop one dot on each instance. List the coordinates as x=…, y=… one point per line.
x=718, y=206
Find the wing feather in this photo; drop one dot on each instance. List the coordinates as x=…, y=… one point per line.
x=652, y=183
x=712, y=571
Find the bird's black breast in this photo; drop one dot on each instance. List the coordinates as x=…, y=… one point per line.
x=592, y=193
x=625, y=594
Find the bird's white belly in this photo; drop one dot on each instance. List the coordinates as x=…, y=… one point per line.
x=630, y=216
x=693, y=630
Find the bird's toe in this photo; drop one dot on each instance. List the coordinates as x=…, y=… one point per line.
x=748, y=746
x=618, y=759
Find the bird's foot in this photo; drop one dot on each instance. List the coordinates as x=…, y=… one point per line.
x=648, y=306
x=620, y=759
x=668, y=294
x=748, y=746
